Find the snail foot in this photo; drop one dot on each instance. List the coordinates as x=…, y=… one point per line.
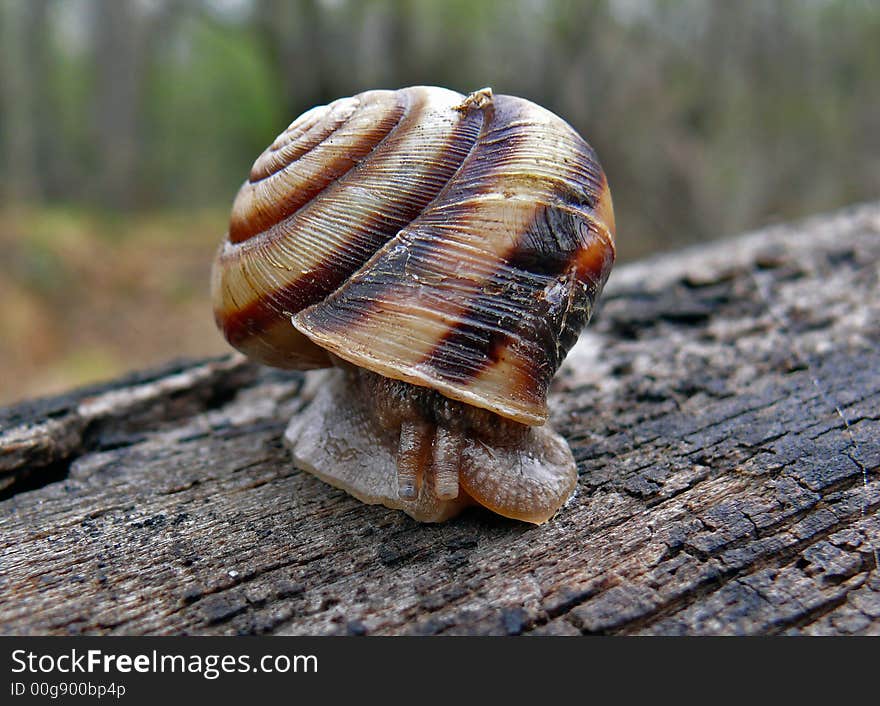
x=428, y=453
x=337, y=438
x=431, y=467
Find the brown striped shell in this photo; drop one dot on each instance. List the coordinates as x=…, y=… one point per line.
x=453, y=243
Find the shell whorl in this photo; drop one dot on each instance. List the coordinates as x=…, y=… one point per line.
x=453, y=243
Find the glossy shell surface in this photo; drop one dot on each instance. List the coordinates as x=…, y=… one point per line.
x=450, y=242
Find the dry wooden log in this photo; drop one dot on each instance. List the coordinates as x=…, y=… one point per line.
x=724, y=409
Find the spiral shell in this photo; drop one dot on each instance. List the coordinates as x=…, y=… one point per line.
x=450, y=242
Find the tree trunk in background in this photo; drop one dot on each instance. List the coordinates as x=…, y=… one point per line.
x=403, y=52
x=119, y=66
x=294, y=34
x=124, y=44
x=24, y=56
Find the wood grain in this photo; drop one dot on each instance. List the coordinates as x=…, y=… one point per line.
x=724, y=409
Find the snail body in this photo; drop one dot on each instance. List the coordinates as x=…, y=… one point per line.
x=443, y=252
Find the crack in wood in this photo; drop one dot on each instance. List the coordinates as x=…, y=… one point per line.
x=727, y=459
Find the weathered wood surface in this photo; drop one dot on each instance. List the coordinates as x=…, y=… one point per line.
x=724, y=409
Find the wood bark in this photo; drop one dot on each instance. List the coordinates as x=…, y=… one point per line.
x=724, y=409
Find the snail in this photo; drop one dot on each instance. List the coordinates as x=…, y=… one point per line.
x=442, y=253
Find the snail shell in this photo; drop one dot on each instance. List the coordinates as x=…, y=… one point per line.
x=445, y=251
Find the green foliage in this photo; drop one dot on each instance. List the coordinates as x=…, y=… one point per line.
x=213, y=106
x=710, y=118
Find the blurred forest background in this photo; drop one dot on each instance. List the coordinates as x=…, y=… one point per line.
x=126, y=127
